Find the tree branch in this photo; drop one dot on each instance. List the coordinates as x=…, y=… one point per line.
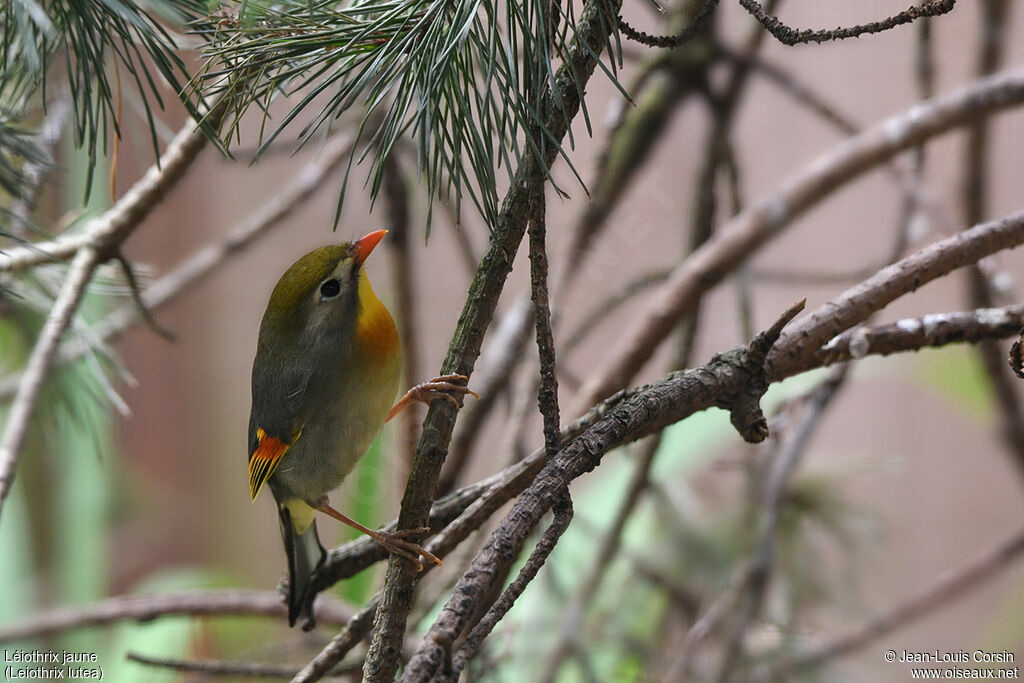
x=947, y=588
x=912, y=334
x=804, y=339
x=562, y=510
x=592, y=32
x=204, y=261
x=975, y=183
x=790, y=36
x=100, y=240
x=144, y=608
x=110, y=229
x=38, y=367
x=730, y=380
x=755, y=226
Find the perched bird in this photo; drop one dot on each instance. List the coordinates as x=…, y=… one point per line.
x=326, y=371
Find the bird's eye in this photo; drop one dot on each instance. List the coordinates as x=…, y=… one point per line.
x=330, y=288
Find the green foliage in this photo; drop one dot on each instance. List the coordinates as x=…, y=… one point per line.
x=86, y=36
x=16, y=149
x=463, y=78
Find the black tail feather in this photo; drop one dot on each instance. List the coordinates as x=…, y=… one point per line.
x=305, y=556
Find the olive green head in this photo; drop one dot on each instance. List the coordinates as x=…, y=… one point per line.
x=319, y=294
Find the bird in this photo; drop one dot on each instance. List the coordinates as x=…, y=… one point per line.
x=326, y=371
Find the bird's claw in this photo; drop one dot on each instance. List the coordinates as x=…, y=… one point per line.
x=396, y=544
x=443, y=386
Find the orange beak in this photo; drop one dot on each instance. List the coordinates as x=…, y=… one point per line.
x=366, y=244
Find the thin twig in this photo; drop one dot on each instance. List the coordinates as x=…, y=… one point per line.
x=562, y=510
x=592, y=31
x=790, y=36
x=148, y=607
x=768, y=218
x=211, y=667
x=776, y=483
x=141, y=309
x=500, y=357
x=948, y=587
x=547, y=395
x=598, y=313
x=357, y=628
x=911, y=334
x=466, y=250
x=983, y=293
x=38, y=367
x=569, y=634
x=403, y=265
x=803, y=341
x=701, y=18
x=205, y=261
x=795, y=88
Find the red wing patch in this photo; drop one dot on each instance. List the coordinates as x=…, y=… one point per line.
x=264, y=460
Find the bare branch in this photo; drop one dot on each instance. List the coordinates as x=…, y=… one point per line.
x=562, y=510
x=214, y=668
x=397, y=195
x=148, y=607
x=701, y=18
x=99, y=240
x=911, y=334
x=203, y=262
x=383, y=658
x=729, y=380
x=765, y=220
x=31, y=385
x=503, y=352
x=357, y=628
x=776, y=482
x=790, y=36
x=940, y=594
x=611, y=541
x=547, y=395
x=805, y=338
x=141, y=309
x=219, y=668
x=992, y=43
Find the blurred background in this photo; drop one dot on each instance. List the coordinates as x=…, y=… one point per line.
x=906, y=479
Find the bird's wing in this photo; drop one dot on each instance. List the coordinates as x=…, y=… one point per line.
x=276, y=419
x=264, y=459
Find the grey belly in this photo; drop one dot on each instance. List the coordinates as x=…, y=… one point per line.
x=320, y=460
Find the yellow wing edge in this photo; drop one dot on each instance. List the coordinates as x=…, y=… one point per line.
x=264, y=460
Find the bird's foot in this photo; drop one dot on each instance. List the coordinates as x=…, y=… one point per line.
x=395, y=542
x=443, y=386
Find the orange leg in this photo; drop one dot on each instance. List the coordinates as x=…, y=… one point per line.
x=428, y=392
x=393, y=542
